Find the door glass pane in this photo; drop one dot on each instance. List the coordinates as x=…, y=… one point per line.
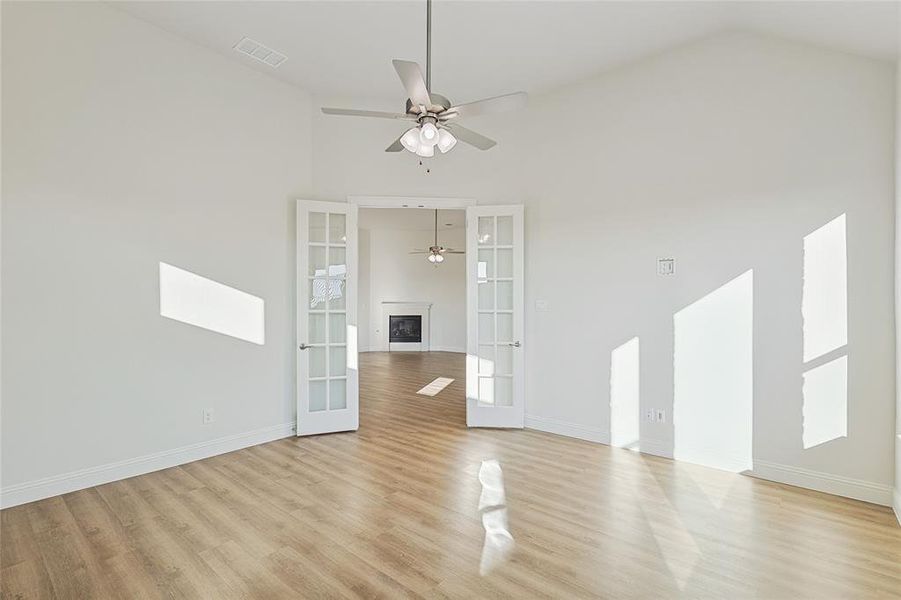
x=337, y=332
x=505, y=295
x=486, y=360
x=317, y=362
x=486, y=390
x=504, y=327
x=505, y=262
x=337, y=265
x=318, y=293
x=316, y=334
x=337, y=396
x=337, y=361
x=486, y=295
x=503, y=391
x=505, y=231
x=317, y=395
x=486, y=231
x=336, y=294
x=504, y=363
x=336, y=228
x=486, y=263
x=486, y=328
x=317, y=227
x=317, y=261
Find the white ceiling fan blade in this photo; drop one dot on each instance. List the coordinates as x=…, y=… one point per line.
x=349, y=112
x=497, y=104
x=471, y=137
x=396, y=146
x=411, y=76
x=454, y=252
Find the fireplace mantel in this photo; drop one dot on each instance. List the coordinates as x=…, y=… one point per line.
x=404, y=308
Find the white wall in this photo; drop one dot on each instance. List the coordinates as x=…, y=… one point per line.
x=724, y=154
x=392, y=274
x=123, y=147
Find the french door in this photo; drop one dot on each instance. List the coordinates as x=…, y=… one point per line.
x=327, y=375
x=494, y=316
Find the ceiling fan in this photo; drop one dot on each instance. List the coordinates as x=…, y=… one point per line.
x=435, y=117
x=435, y=252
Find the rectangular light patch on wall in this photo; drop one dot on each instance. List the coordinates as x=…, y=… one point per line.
x=202, y=302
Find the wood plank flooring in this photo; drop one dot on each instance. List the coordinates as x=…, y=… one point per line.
x=391, y=511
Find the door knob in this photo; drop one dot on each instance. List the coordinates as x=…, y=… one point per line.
x=303, y=346
x=515, y=344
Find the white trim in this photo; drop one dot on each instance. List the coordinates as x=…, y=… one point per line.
x=47, y=487
x=409, y=202
x=823, y=482
x=582, y=432
x=656, y=448
x=447, y=349
x=813, y=480
x=896, y=504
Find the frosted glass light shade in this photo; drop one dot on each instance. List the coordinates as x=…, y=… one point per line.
x=428, y=134
x=410, y=139
x=425, y=151
x=446, y=140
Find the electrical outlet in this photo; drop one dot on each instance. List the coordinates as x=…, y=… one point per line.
x=649, y=415
x=208, y=416
x=660, y=417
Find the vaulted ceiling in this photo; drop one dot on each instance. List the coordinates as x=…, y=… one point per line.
x=344, y=49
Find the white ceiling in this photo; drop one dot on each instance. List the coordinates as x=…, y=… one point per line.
x=481, y=48
x=413, y=219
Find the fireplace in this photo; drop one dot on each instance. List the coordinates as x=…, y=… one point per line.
x=405, y=328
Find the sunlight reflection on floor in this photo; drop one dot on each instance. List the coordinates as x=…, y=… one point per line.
x=493, y=508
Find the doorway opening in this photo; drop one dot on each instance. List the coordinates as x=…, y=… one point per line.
x=412, y=312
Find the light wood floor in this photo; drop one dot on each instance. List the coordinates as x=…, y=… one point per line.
x=391, y=511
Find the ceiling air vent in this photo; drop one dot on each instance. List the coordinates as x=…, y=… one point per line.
x=260, y=52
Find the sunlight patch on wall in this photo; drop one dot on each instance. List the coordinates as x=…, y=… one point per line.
x=202, y=302
x=625, y=412
x=713, y=377
x=824, y=309
x=824, y=300
x=826, y=402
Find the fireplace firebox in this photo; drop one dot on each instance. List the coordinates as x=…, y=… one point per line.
x=405, y=328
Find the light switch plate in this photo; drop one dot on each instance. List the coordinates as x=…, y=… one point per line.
x=541, y=305
x=666, y=266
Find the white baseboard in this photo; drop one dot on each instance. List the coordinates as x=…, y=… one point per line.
x=814, y=480
x=583, y=432
x=824, y=482
x=656, y=447
x=47, y=487
x=896, y=504
x=447, y=349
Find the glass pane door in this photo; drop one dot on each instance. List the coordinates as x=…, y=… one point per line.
x=327, y=376
x=495, y=316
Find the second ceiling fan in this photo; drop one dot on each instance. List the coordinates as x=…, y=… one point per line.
x=435, y=117
x=435, y=252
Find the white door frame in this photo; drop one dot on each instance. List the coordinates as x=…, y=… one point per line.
x=410, y=202
x=484, y=418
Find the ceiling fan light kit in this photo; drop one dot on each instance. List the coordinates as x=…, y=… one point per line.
x=435, y=117
x=435, y=253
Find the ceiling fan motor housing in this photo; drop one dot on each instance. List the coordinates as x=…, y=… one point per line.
x=439, y=105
